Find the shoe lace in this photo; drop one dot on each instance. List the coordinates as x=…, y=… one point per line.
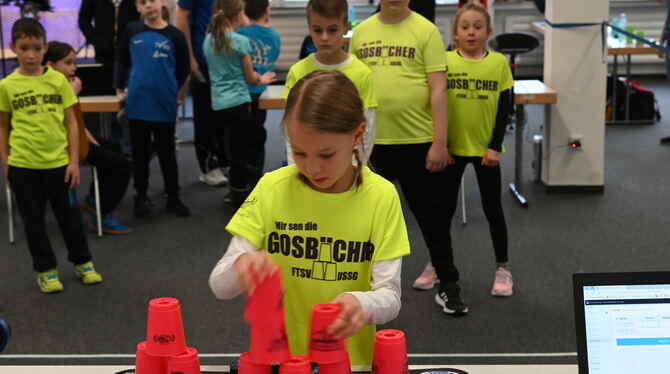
x=503, y=276
x=428, y=271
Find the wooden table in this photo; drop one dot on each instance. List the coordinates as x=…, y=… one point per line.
x=616, y=48
x=526, y=92
x=271, y=98
x=101, y=104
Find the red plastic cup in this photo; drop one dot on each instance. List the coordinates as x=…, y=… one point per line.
x=296, y=365
x=266, y=303
x=269, y=344
x=265, y=313
x=146, y=364
x=247, y=366
x=390, y=353
x=165, y=329
x=185, y=363
x=343, y=367
x=323, y=348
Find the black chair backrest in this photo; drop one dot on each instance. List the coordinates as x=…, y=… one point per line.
x=514, y=43
x=96, y=79
x=307, y=47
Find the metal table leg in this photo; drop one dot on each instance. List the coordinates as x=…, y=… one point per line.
x=516, y=187
x=628, y=84
x=615, y=78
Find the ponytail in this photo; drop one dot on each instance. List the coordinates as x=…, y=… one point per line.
x=225, y=12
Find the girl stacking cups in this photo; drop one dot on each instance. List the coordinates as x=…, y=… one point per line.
x=334, y=229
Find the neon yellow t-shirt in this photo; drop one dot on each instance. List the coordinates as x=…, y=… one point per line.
x=359, y=74
x=400, y=56
x=324, y=243
x=473, y=90
x=38, y=139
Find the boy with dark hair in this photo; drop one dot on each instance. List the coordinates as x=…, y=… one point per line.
x=155, y=55
x=40, y=157
x=265, y=45
x=328, y=23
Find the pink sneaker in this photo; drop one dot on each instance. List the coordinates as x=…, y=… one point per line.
x=502, y=286
x=427, y=279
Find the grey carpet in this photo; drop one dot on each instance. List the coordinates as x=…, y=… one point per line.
x=623, y=229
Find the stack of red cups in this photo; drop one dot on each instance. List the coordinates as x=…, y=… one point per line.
x=296, y=365
x=165, y=350
x=330, y=353
x=390, y=353
x=264, y=313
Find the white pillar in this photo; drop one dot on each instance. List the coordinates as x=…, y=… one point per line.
x=574, y=67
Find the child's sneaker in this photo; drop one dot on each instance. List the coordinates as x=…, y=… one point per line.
x=88, y=204
x=176, y=207
x=87, y=273
x=49, y=282
x=502, y=285
x=449, y=298
x=110, y=225
x=427, y=279
x=142, y=206
x=213, y=178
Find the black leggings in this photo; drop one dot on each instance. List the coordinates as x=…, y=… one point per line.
x=114, y=172
x=234, y=124
x=423, y=192
x=145, y=138
x=488, y=179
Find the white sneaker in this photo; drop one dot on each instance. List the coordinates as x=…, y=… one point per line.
x=503, y=284
x=214, y=178
x=428, y=278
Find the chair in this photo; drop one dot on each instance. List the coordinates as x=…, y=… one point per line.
x=513, y=44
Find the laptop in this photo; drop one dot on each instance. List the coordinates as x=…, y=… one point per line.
x=623, y=322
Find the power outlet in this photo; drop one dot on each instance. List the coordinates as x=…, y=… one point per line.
x=575, y=138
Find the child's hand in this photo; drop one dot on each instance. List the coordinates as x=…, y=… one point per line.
x=75, y=82
x=121, y=94
x=351, y=318
x=252, y=267
x=437, y=158
x=450, y=158
x=267, y=78
x=72, y=175
x=491, y=158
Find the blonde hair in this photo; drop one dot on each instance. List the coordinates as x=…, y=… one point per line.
x=471, y=5
x=327, y=102
x=225, y=12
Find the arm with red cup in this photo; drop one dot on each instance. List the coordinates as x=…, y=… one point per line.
x=232, y=275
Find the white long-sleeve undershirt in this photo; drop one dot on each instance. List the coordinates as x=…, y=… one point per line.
x=380, y=305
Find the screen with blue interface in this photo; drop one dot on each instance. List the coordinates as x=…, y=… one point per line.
x=627, y=328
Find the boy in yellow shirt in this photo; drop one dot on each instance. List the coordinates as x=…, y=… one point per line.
x=43, y=163
x=328, y=23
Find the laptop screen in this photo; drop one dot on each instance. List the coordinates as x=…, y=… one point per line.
x=623, y=322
